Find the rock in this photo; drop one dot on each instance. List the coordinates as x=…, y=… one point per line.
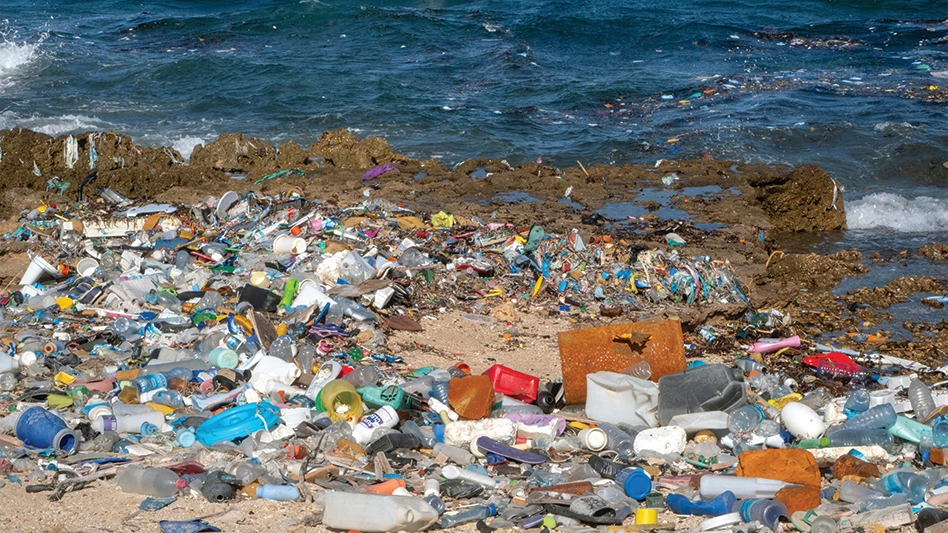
x=345, y=150
x=663, y=440
x=850, y=465
x=801, y=498
x=804, y=199
x=788, y=465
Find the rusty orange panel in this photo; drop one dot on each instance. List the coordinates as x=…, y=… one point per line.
x=585, y=351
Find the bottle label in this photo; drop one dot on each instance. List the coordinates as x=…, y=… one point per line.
x=109, y=423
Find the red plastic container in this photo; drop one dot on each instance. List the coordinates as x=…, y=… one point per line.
x=515, y=384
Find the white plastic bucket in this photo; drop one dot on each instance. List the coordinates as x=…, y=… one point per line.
x=38, y=269
x=618, y=398
x=288, y=244
x=85, y=267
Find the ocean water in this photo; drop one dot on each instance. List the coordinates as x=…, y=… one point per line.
x=857, y=86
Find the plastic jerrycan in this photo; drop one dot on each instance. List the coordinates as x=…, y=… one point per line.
x=371, y=513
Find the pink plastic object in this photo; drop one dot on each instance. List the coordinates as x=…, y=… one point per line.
x=767, y=347
x=515, y=384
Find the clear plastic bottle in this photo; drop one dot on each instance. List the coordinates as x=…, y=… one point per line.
x=283, y=347
x=862, y=437
x=940, y=431
x=857, y=402
x=767, y=512
x=912, y=485
x=425, y=435
x=363, y=376
x=471, y=515
x=618, y=440
x=817, y=398
x=439, y=391
x=158, y=482
x=921, y=397
x=639, y=369
x=305, y=356
x=925, y=444
x=851, y=492
x=745, y=419
x=828, y=369
x=170, y=397
x=329, y=437
x=455, y=454
x=8, y=382
x=880, y=416
x=160, y=380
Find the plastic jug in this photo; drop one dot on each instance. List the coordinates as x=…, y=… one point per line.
x=376, y=513
x=698, y=389
x=619, y=398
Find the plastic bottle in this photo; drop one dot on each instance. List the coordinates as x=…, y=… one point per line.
x=439, y=391
x=171, y=398
x=940, y=432
x=717, y=506
x=604, y=467
x=640, y=369
x=817, y=398
x=392, y=441
x=435, y=502
x=8, y=382
x=851, y=492
x=456, y=455
x=742, y=487
x=767, y=512
x=857, y=402
x=471, y=515
x=135, y=423
x=920, y=395
x=374, y=513
x=925, y=444
x=158, y=482
x=749, y=365
x=453, y=472
x=329, y=437
x=363, y=376
x=745, y=419
x=828, y=369
x=824, y=524
x=861, y=437
x=160, y=380
x=880, y=416
x=912, y=485
x=425, y=435
x=281, y=493
x=618, y=440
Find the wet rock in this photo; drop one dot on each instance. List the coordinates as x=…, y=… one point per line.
x=896, y=291
x=812, y=271
x=805, y=199
x=233, y=153
x=344, y=150
x=935, y=251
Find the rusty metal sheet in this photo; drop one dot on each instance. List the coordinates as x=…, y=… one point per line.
x=615, y=348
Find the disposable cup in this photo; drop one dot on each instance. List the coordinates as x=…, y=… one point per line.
x=86, y=266
x=288, y=244
x=37, y=270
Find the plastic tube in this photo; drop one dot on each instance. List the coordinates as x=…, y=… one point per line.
x=453, y=472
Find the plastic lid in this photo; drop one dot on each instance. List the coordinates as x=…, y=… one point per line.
x=730, y=519
x=595, y=439
x=181, y=483
x=637, y=484
x=186, y=439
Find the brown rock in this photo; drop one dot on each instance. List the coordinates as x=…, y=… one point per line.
x=789, y=465
x=848, y=465
x=939, y=456
x=799, y=498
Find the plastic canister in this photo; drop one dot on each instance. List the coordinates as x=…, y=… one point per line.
x=635, y=482
x=276, y=368
x=699, y=389
x=341, y=401
x=42, y=429
x=385, y=416
x=223, y=358
x=619, y=398
x=375, y=513
x=515, y=384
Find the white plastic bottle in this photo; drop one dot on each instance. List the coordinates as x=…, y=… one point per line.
x=376, y=513
x=384, y=417
x=742, y=487
x=128, y=423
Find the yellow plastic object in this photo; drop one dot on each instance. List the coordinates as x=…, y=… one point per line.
x=536, y=288
x=64, y=302
x=63, y=378
x=58, y=401
x=165, y=410
x=442, y=220
x=781, y=402
x=244, y=324
x=644, y=516
x=281, y=330
x=341, y=401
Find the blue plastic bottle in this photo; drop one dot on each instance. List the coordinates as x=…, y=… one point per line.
x=940, y=432
x=912, y=485
x=471, y=515
x=767, y=512
x=719, y=505
x=282, y=493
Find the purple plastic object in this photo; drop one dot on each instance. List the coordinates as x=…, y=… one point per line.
x=767, y=347
x=373, y=173
x=537, y=420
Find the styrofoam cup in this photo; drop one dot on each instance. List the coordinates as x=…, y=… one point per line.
x=38, y=269
x=259, y=279
x=288, y=244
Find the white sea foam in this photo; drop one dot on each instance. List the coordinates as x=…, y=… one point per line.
x=185, y=145
x=53, y=125
x=16, y=56
x=890, y=211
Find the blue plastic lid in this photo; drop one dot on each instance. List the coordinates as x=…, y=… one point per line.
x=438, y=430
x=186, y=438
x=635, y=482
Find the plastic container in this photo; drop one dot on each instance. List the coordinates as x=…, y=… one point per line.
x=801, y=421
x=157, y=482
x=341, y=401
x=372, y=513
x=909, y=430
x=618, y=398
x=857, y=402
x=453, y=472
x=512, y=383
x=824, y=524
x=281, y=493
x=912, y=485
x=880, y=416
x=699, y=389
x=745, y=419
x=289, y=245
x=717, y=506
x=160, y=380
x=635, y=482
x=742, y=487
x=384, y=417
x=618, y=440
x=851, y=492
x=594, y=439
x=767, y=512
x=223, y=358
x=860, y=437
x=42, y=429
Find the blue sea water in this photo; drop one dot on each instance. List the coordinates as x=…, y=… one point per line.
x=852, y=85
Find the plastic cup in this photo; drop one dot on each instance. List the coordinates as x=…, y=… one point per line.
x=85, y=267
x=38, y=269
x=341, y=401
x=288, y=244
x=226, y=202
x=260, y=279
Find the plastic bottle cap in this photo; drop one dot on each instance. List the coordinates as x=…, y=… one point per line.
x=730, y=519
x=181, y=483
x=186, y=439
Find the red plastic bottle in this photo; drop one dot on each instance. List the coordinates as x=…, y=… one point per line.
x=515, y=384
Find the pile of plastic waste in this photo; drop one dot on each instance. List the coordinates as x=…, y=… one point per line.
x=237, y=349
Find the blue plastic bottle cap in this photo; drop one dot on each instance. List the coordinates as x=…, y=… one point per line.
x=186, y=439
x=635, y=482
